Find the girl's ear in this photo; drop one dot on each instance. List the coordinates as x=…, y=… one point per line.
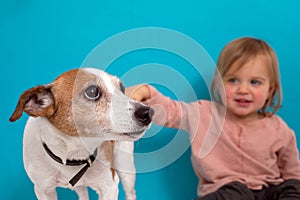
x=271, y=91
x=37, y=101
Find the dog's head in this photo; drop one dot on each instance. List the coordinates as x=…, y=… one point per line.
x=87, y=102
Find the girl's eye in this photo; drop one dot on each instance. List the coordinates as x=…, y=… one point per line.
x=233, y=80
x=255, y=82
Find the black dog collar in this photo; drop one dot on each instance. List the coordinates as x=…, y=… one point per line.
x=77, y=176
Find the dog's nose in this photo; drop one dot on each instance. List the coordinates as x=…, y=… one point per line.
x=144, y=115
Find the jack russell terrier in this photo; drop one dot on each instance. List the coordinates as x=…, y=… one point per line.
x=80, y=134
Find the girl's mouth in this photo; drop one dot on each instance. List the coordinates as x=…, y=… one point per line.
x=243, y=102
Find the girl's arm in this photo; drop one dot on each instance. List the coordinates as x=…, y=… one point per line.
x=168, y=112
x=289, y=159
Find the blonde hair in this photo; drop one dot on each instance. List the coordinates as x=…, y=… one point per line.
x=241, y=51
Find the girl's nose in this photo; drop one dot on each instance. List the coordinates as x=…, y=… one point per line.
x=242, y=88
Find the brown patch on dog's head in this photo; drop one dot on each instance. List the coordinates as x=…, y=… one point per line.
x=62, y=90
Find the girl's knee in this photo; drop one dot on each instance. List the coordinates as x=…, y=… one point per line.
x=289, y=189
x=290, y=183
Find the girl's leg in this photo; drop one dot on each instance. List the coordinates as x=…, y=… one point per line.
x=289, y=190
x=231, y=191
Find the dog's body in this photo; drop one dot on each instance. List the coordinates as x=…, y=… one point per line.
x=80, y=134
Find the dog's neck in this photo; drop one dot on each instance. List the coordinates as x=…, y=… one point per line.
x=65, y=146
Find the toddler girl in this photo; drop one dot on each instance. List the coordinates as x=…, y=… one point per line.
x=240, y=148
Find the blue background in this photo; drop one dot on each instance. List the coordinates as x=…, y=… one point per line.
x=41, y=39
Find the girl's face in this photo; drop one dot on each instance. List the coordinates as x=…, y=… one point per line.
x=247, y=88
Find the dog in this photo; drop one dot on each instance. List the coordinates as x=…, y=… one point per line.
x=80, y=134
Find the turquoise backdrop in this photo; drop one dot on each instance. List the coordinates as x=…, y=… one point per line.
x=41, y=39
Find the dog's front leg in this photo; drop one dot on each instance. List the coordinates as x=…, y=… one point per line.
x=45, y=193
x=82, y=192
x=128, y=182
x=124, y=163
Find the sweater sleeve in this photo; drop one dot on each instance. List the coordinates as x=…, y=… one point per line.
x=288, y=158
x=172, y=113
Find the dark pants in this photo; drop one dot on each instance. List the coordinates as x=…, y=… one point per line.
x=288, y=190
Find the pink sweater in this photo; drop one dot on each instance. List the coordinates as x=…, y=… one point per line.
x=257, y=154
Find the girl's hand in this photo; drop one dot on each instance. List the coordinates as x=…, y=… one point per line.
x=138, y=92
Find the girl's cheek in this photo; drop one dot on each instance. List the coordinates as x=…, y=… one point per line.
x=225, y=95
x=261, y=96
x=228, y=92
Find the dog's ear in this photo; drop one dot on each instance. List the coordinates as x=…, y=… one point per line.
x=37, y=101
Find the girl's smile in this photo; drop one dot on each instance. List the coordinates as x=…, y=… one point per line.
x=243, y=102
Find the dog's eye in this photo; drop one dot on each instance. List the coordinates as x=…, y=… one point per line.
x=92, y=93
